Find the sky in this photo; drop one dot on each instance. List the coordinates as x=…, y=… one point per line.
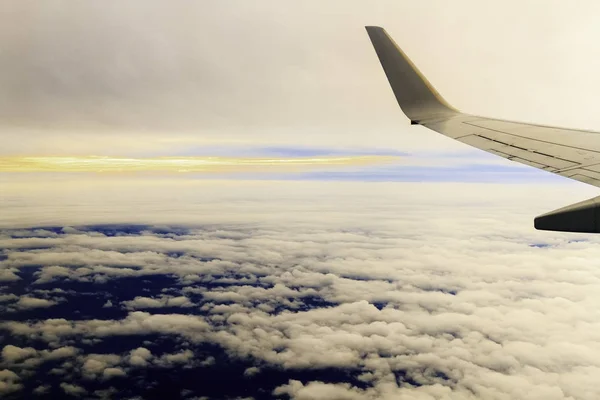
x=156, y=78
x=222, y=200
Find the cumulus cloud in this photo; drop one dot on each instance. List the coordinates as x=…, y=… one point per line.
x=95, y=365
x=41, y=390
x=29, y=358
x=140, y=357
x=399, y=298
x=137, y=323
x=8, y=275
x=251, y=371
x=159, y=302
x=27, y=303
x=113, y=372
x=11, y=354
x=183, y=357
x=9, y=382
x=8, y=297
x=73, y=390
x=319, y=390
x=62, y=352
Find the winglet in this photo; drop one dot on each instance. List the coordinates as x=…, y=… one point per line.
x=416, y=96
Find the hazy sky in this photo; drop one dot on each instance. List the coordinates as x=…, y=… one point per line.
x=153, y=77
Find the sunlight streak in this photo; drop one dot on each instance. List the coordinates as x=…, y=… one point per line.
x=179, y=164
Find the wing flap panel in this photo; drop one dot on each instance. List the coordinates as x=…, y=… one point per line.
x=595, y=168
x=541, y=145
x=530, y=163
x=517, y=153
x=583, y=175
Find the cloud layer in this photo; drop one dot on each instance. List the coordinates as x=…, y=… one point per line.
x=397, y=293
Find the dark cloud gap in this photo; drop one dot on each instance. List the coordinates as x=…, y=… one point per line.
x=80, y=299
x=86, y=297
x=44, y=375
x=450, y=291
x=112, y=230
x=34, y=232
x=224, y=377
x=109, y=230
x=364, y=278
x=540, y=245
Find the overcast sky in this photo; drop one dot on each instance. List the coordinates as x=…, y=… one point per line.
x=154, y=77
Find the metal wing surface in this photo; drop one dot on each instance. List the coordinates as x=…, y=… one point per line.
x=570, y=153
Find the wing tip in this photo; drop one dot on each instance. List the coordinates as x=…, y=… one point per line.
x=374, y=29
x=415, y=95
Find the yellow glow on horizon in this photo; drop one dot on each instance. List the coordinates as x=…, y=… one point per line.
x=179, y=164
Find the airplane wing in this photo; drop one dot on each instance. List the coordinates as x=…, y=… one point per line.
x=570, y=153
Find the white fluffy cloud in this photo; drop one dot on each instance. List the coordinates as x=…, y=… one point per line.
x=73, y=390
x=11, y=354
x=26, y=303
x=9, y=382
x=137, y=323
x=140, y=302
x=8, y=275
x=140, y=357
x=183, y=357
x=95, y=366
x=29, y=358
x=113, y=372
x=434, y=298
